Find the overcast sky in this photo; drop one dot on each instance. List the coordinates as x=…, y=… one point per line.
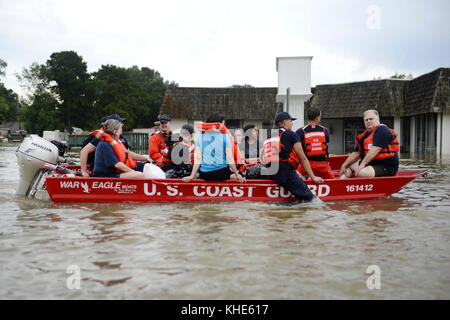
x=221, y=43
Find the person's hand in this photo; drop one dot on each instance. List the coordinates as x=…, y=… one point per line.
x=85, y=173
x=342, y=171
x=187, y=179
x=240, y=178
x=317, y=179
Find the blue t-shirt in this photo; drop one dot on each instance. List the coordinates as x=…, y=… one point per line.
x=105, y=159
x=288, y=139
x=212, y=145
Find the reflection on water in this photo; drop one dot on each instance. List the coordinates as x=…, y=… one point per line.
x=239, y=250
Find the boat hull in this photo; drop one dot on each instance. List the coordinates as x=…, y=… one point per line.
x=80, y=189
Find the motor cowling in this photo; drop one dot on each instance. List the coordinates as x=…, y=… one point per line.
x=34, y=155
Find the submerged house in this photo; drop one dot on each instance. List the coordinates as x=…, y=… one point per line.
x=240, y=105
x=418, y=110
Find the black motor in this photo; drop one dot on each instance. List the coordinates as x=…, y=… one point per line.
x=62, y=147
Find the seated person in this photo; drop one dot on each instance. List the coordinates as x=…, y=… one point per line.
x=87, y=152
x=214, y=152
x=239, y=139
x=251, y=144
x=377, y=149
x=314, y=139
x=178, y=158
x=156, y=143
x=112, y=159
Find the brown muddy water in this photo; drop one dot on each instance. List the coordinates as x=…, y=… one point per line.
x=237, y=250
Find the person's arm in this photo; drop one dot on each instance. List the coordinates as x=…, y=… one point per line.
x=230, y=161
x=197, y=162
x=139, y=157
x=122, y=167
x=305, y=163
x=84, y=153
x=352, y=158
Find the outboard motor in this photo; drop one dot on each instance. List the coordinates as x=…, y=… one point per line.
x=35, y=156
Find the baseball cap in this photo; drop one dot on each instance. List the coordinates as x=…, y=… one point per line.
x=111, y=116
x=283, y=116
x=164, y=118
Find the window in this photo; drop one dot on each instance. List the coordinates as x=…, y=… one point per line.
x=233, y=124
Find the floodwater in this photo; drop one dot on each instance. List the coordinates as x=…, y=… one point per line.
x=237, y=250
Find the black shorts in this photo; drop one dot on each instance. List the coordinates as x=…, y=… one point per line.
x=216, y=175
x=384, y=171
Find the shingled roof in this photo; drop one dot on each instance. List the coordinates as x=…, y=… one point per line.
x=391, y=97
x=233, y=103
x=428, y=93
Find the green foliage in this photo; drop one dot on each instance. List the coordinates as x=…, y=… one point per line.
x=242, y=86
x=133, y=93
x=402, y=76
x=62, y=94
x=3, y=65
x=68, y=70
x=33, y=80
x=4, y=109
x=9, y=101
x=41, y=114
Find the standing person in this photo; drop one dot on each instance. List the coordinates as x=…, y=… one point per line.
x=157, y=143
x=87, y=152
x=377, y=149
x=277, y=151
x=214, y=155
x=112, y=157
x=315, y=139
x=252, y=144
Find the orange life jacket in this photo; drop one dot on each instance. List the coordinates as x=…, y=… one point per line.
x=315, y=143
x=388, y=152
x=118, y=147
x=272, y=148
x=221, y=128
x=157, y=146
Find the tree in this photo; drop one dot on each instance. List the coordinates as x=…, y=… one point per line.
x=242, y=86
x=3, y=65
x=9, y=100
x=41, y=113
x=402, y=76
x=33, y=80
x=4, y=109
x=133, y=93
x=68, y=70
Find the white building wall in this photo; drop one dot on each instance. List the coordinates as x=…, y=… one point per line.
x=336, y=128
x=294, y=73
x=177, y=124
x=412, y=135
x=445, y=142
